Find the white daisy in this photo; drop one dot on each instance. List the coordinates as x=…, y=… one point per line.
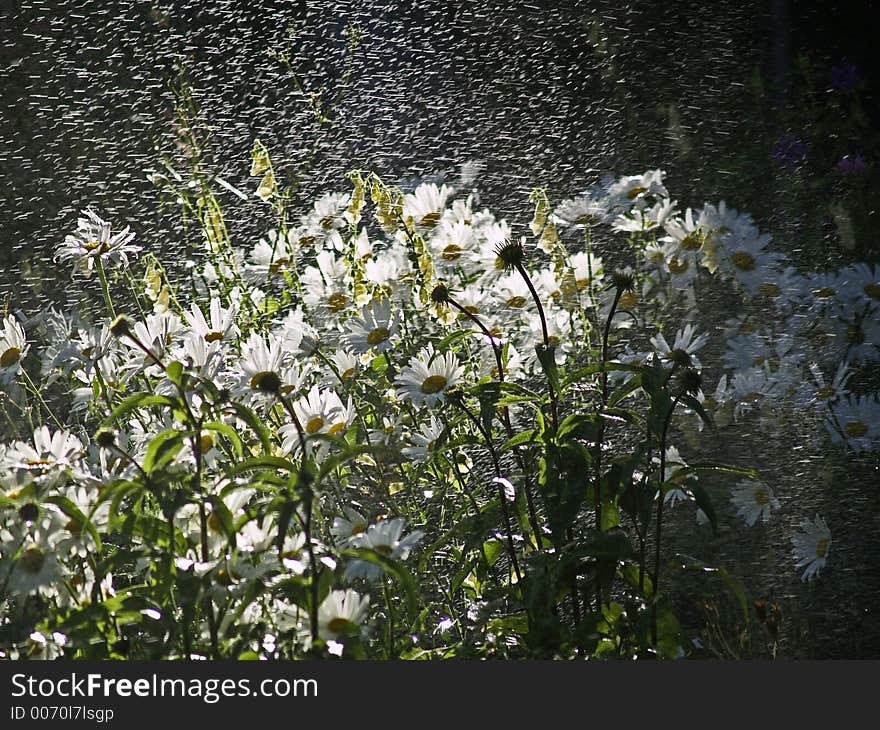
x=221, y=325
x=425, y=203
x=341, y=614
x=811, y=546
x=93, y=239
x=374, y=329
x=855, y=421
x=385, y=537
x=425, y=440
x=428, y=376
x=13, y=348
x=686, y=341
x=753, y=500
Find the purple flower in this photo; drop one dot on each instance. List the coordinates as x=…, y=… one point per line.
x=852, y=163
x=788, y=150
x=844, y=76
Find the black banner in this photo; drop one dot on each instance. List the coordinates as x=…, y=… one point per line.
x=236, y=694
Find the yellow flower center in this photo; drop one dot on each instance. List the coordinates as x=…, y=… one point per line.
x=584, y=219
x=9, y=357
x=206, y=442
x=384, y=549
x=822, y=547
x=314, y=425
x=516, y=302
x=278, y=264
x=746, y=328
x=340, y=625
x=32, y=560
x=855, y=429
x=348, y=373
x=430, y=220
x=761, y=497
x=74, y=527
x=327, y=222
x=633, y=193
x=433, y=384
x=677, y=265
x=306, y=240
x=825, y=392
x=380, y=334
x=358, y=527
x=100, y=246
x=451, y=252
x=691, y=242
x=824, y=292
x=872, y=290
x=743, y=260
x=336, y=428
x=769, y=289
x=213, y=337
x=337, y=302
x=628, y=300
x=499, y=264
x=751, y=397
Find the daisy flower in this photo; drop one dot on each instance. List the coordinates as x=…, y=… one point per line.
x=855, y=421
x=684, y=347
x=425, y=204
x=261, y=364
x=341, y=614
x=385, y=537
x=753, y=500
x=345, y=529
x=811, y=546
x=425, y=440
x=13, y=348
x=221, y=325
x=373, y=329
x=36, y=566
x=92, y=240
x=427, y=377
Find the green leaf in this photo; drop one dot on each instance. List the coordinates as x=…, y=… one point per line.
x=219, y=508
x=254, y=422
x=76, y=514
x=705, y=503
x=174, y=371
x=524, y=437
x=134, y=401
x=230, y=433
x=697, y=407
x=163, y=447
x=266, y=461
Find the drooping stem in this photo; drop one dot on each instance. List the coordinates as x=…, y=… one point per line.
x=505, y=417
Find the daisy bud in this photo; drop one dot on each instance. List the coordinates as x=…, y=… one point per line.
x=440, y=294
x=29, y=512
x=511, y=253
x=680, y=358
x=121, y=326
x=623, y=282
x=267, y=381
x=691, y=381
x=105, y=438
